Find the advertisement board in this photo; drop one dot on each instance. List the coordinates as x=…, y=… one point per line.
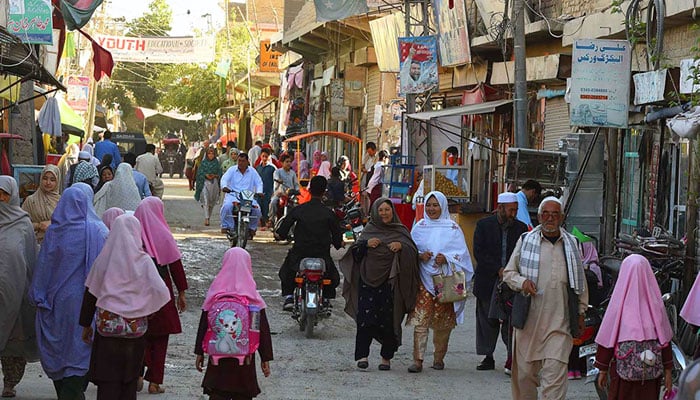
x=31, y=20
x=453, y=36
x=418, y=61
x=77, y=92
x=162, y=50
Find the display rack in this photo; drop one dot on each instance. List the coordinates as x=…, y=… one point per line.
x=399, y=176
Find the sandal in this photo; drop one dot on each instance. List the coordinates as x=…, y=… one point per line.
x=415, y=368
x=362, y=364
x=154, y=388
x=438, y=365
x=7, y=392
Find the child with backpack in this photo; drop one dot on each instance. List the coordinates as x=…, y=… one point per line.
x=233, y=326
x=122, y=289
x=633, y=339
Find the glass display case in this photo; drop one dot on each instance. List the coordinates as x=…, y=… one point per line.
x=28, y=179
x=398, y=180
x=452, y=181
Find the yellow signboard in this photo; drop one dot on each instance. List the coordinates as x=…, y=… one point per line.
x=269, y=58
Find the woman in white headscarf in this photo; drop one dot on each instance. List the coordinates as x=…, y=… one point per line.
x=69, y=158
x=18, y=248
x=120, y=192
x=441, y=247
x=40, y=204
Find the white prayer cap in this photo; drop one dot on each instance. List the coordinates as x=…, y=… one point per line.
x=507, y=197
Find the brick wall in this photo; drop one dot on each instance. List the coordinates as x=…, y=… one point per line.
x=677, y=43
x=579, y=8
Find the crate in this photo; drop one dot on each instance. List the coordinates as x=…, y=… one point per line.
x=546, y=167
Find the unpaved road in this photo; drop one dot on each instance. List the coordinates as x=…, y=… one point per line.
x=318, y=368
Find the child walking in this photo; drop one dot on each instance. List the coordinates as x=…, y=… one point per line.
x=230, y=371
x=124, y=288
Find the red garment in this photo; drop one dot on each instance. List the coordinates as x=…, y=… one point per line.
x=304, y=195
x=154, y=358
x=166, y=321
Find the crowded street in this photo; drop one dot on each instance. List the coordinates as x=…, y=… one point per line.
x=305, y=369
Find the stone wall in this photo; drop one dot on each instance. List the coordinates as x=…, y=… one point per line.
x=579, y=8
x=678, y=42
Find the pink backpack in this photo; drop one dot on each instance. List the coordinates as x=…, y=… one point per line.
x=234, y=329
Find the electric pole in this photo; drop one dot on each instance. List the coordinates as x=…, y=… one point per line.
x=520, y=102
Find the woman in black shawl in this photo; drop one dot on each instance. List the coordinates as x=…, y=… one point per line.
x=381, y=283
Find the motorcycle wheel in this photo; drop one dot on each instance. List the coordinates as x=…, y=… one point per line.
x=309, y=329
x=243, y=234
x=302, y=323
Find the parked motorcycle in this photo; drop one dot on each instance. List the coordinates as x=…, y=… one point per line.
x=241, y=218
x=286, y=204
x=309, y=305
x=350, y=217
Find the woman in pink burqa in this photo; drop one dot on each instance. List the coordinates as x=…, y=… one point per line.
x=691, y=310
x=636, y=313
x=316, y=163
x=226, y=378
x=161, y=246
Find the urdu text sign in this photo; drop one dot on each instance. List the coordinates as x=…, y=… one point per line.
x=600, y=83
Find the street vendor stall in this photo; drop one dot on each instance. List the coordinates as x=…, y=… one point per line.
x=294, y=143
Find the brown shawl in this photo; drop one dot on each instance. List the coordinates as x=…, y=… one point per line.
x=41, y=204
x=381, y=264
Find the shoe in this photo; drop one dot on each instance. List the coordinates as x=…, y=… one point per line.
x=363, y=364
x=224, y=230
x=154, y=388
x=206, y=221
x=438, y=365
x=577, y=375
x=570, y=375
x=8, y=392
x=288, y=304
x=486, y=364
x=139, y=384
x=415, y=368
x=507, y=371
x=384, y=367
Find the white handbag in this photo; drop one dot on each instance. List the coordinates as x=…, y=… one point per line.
x=687, y=124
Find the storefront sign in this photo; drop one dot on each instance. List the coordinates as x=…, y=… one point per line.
x=354, y=94
x=600, y=83
x=453, y=37
x=339, y=112
x=418, y=60
x=269, y=59
x=31, y=20
x=162, y=50
x=77, y=93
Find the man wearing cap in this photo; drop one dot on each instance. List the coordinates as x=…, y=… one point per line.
x=494, y=239
x=82, y=156
x=528, y=194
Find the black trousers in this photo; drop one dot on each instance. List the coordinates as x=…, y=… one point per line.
x=363, y=340
x=290, y=266
x=487, y=330
x=116, y=390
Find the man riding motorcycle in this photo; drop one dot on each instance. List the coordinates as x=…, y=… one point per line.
x=234, y=181
x=316, y=229
x=285, y=179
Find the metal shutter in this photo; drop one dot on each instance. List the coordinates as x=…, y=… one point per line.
x=556, y=123
x=373, y=85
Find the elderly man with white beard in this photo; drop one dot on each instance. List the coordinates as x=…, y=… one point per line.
x=546, y=268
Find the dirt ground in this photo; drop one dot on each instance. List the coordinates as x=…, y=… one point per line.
x=318, y=368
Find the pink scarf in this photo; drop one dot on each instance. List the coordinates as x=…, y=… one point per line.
x=157, y=239
x=234, y=278
x=123, y=277
x=691, y=308
x=317, y=160
x=636, y=311
x=110, y=215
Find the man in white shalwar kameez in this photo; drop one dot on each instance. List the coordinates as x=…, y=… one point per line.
x=546, y=266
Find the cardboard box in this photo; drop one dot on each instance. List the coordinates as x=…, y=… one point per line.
x=365, y=57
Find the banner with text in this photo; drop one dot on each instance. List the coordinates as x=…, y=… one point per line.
x=162, y=50
x=31, y=20
x=453, y=36
x=600, y=83
x=269, y=59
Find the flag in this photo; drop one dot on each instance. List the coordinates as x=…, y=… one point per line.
x=582, y=237
x=77, y=13
x=101, y=58
x=336, y=10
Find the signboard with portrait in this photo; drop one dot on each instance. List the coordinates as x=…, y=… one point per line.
x=453, y=36
x=31, y=20
x=418, y=64
x=77, y=92
x=600, y=83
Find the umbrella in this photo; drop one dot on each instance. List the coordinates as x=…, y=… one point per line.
x=71, y=122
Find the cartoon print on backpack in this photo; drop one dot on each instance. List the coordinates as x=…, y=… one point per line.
x=230, y=328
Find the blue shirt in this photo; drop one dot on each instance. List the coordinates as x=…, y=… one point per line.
x=523, y=215
x=237, y=182
x=142, y=184
x=108, y=147
x=266, y=173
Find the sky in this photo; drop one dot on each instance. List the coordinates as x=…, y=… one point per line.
x=187, y=14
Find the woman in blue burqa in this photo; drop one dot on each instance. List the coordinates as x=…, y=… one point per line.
x=71, y=244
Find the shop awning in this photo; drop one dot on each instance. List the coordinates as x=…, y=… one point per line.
x=20, y=60
x=469, y=109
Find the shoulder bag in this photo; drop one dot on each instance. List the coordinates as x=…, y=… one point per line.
x=521, y=307
x=450, y=288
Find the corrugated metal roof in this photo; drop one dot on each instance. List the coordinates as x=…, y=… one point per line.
x=469, y=109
